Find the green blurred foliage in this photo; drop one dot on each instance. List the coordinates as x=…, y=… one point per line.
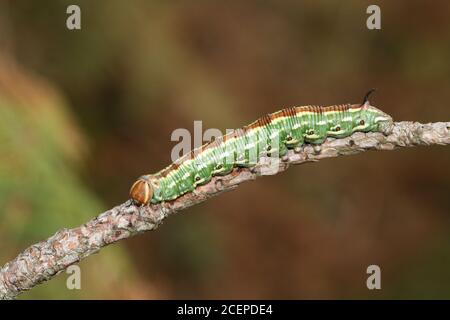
x=40, y=191
x=140, y=69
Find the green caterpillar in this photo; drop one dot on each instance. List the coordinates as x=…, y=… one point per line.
x=269, y=136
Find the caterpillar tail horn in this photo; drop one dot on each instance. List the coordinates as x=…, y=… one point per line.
x=366, y=97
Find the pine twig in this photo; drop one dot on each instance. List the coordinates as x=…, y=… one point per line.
x=42, y=261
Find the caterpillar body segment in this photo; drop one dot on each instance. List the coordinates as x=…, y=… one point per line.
x=271, y=135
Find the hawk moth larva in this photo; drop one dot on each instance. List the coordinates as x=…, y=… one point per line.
x=273, y=134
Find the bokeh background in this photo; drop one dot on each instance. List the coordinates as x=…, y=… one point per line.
x=83, y=113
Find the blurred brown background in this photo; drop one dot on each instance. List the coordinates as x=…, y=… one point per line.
x=83, y=113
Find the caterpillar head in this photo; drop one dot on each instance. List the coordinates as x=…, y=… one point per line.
x=142, y=190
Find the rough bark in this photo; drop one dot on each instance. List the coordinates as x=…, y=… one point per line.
x=42, y=261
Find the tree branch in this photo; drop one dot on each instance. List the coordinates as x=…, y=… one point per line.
x=42, y=261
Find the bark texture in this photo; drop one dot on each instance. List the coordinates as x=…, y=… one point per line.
x=42, y=261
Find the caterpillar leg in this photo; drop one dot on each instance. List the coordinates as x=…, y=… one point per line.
x=222, y=169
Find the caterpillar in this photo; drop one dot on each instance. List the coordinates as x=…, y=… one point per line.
x=271, y=135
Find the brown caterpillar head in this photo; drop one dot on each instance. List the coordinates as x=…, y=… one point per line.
x=141, y=191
